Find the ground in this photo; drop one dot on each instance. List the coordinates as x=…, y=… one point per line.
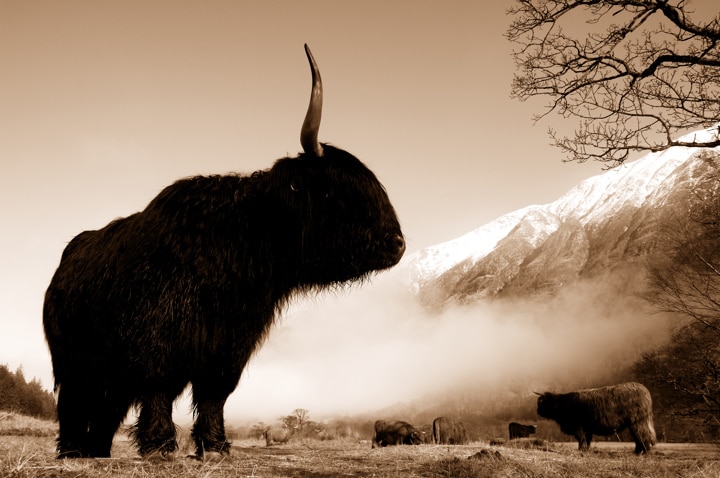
x=33, y=457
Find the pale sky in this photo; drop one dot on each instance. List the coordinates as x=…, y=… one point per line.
x=102, y=104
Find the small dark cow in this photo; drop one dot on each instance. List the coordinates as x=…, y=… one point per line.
x=395, y=433
x=276, y=434
x=602, y=411
x=448, y=432
x=517, y=430
x=183, y=292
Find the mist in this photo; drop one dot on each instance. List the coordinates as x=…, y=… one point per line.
x=373, y=346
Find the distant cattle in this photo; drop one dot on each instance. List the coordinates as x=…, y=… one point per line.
x=395, y=433
x=602, y=411
x=448, y=432
x=517, y=430
x=276, y=434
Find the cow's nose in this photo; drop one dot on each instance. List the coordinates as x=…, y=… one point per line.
x=399, y=244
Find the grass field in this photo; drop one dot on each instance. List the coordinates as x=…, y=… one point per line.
x=33, y=456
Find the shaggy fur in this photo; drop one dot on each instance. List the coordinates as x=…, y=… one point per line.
x=395, y=433
x=603, y=411
x=184, y=291
x=517, y=430
x=448, y=432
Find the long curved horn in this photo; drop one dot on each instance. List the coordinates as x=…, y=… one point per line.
x=311, y=125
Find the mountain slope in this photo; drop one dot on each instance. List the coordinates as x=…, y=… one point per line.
x=607, y=221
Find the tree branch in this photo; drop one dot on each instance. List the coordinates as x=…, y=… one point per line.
x=633, y=86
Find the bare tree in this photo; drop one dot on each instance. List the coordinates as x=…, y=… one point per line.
x=633, y=73
x=297, y=420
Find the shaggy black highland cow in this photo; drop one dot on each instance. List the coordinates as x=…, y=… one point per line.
x=396, y=432
x=602, y=411
x=448, y=432
x=518, y=430
x=185, y=290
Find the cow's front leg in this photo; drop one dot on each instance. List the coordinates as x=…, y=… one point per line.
x=582, y=440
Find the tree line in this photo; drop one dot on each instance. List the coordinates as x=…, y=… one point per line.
x=27, y=398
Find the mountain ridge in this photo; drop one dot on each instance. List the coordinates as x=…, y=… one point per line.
x=604, y=221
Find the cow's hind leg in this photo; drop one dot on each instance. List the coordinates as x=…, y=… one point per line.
x=209, y=429
x=208, y=432
x=73, y=412
x=154, y=432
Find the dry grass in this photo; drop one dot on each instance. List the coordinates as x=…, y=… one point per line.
x=14, y=424
x=33, y=457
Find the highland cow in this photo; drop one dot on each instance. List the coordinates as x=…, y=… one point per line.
x=395, y=433
x=183, y=292
x=602, y=411
x=448, y=432
x=517, y=430
x=275, y=434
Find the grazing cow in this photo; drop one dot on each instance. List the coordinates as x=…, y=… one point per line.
x=448, y=432
x=184, y=291
x=602, y=411
x=276, y=434
x=395, y=433
x=517, y=430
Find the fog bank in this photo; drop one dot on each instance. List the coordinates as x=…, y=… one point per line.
x=373, y=346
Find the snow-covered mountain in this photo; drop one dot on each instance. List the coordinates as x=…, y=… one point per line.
x=605, y=220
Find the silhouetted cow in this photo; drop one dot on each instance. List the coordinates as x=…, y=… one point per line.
x=395, y=433
x=185, y=290
x=602, y=411
x=516, y=430
x=448, y=432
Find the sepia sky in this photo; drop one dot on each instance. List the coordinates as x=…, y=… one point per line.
x=102, y=104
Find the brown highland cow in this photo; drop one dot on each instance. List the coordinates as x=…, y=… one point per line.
x=602, y=411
